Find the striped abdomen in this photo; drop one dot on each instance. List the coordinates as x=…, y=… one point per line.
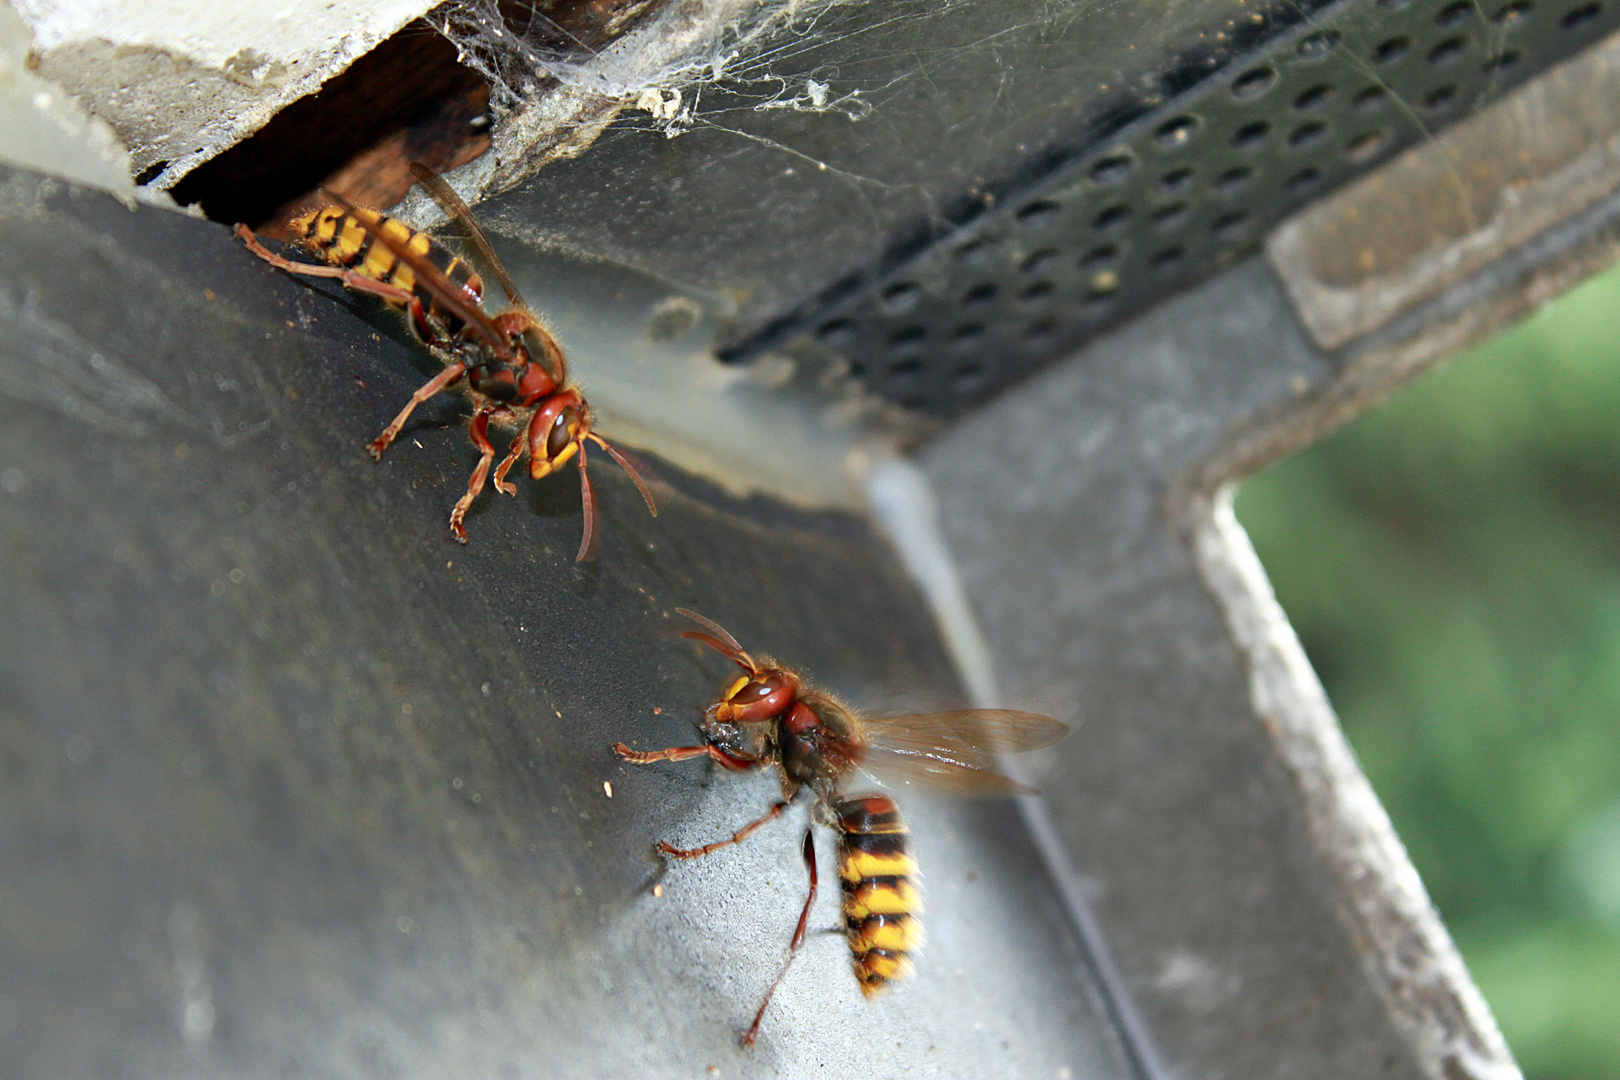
x=342, y=241
x=879, y=879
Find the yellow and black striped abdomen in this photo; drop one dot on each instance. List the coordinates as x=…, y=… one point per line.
x=879, y=878
x=340, y=239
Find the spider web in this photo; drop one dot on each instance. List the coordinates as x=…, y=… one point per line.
x=685, y=64
x=525, y=55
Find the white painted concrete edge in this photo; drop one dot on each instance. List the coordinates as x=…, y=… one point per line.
x=180, y=81
x=43, y=128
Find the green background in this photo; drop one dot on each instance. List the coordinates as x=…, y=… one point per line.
x=1452, y=565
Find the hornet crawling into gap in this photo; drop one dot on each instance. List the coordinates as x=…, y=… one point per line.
x=769, y=717
x=515, y=370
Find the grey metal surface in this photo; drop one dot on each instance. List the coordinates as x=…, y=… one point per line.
x=293, y=785
x=1170, y=799
x=1255, y=899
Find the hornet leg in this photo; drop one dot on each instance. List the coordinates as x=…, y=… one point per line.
x=736, y=838
x=393, y=294
x=798, y=938
x=514, y=452
x=479, y=430
x=681, y=753
x=443, y=379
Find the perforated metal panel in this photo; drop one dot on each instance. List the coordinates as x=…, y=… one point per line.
x=1177, y=193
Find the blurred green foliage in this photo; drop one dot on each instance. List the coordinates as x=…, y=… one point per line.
x=1452, y=565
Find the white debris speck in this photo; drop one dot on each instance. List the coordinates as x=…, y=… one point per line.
x=664, y=105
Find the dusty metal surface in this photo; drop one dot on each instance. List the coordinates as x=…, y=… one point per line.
x=291, y=784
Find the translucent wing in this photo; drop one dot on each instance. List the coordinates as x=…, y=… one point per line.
x=956, y=751
x=449, y=295
x=459, y=212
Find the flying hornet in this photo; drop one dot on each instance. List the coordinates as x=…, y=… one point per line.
x=769, y=717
